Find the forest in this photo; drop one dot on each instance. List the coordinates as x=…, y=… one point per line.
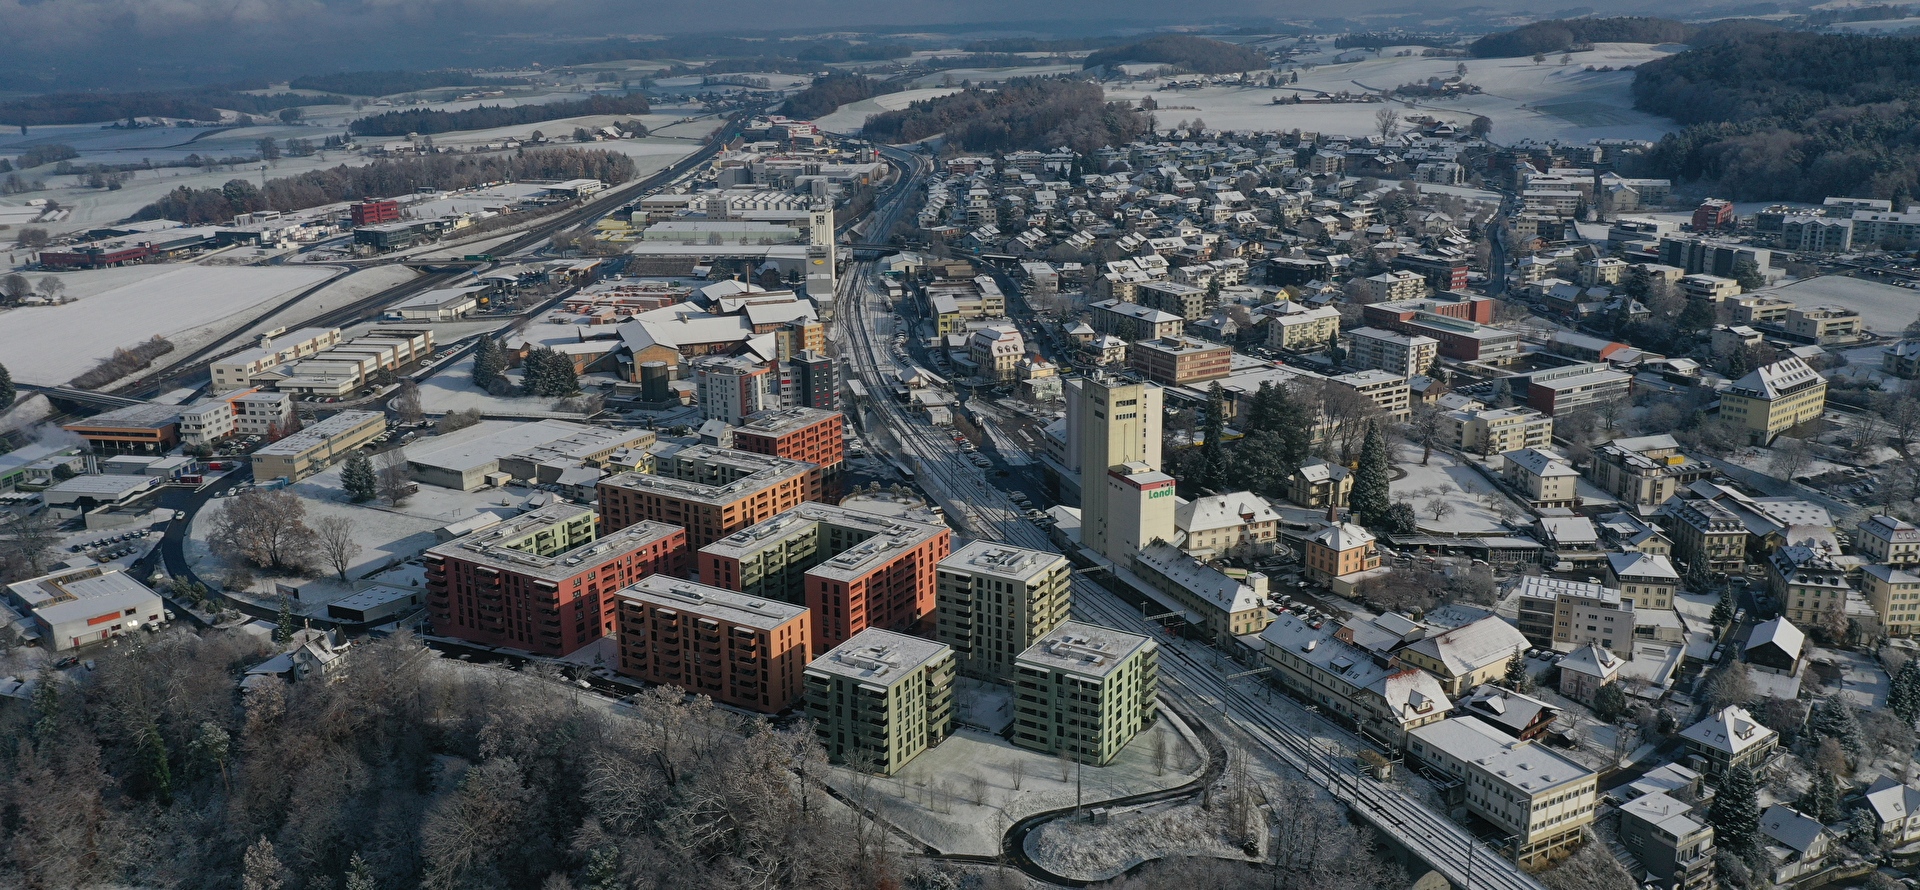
x=401, y=123
x=387, y=83
x=403, y=770
x=383, y=178
x=1558, y=35
x=832, y=91
x=1789, y=115
x=1199, y=55
x=195, y=104
x=1026, y=113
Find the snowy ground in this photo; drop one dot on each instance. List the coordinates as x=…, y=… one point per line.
x=452, y=389
x=1459, y=485
x=1886, y=309
x=1524, y=100
x=1077, y=849
x=188, y=304
x=991, y=75
x=850, y=117
x=1862, y=680
x=386, y=535
x=933, y=798
x=356, y=286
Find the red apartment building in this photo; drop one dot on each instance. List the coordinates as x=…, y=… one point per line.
x=544, y=582
x=739, y=650
x=373, y=213
x=807, y=434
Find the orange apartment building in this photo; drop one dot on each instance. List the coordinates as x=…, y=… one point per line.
x=854, y=570
x=736, y=649
x=711, y=492
x=807, y=434
x=544, y=581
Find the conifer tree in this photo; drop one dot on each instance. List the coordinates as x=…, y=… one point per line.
x=1822, y=800
x=1735, y=813
x=7, y=391
x=489, y=361
x=1833, y=718
x=1370, y=498
x=358, y=478
x=1723, y=610
x=1517, y=678
x=1213, y=451
x=1903, y=697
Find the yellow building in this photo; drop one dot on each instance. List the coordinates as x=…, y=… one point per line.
x=1885, y=539
x=1774, y=398
x=1297, y=327
x=1895, y=597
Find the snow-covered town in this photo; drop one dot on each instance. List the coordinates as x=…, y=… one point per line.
x=1292, y=460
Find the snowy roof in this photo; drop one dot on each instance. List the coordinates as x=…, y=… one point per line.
x=1892, y=801
x=1321, y=471
x=1086, y=649
x=1773, y=381
x=81, y=594
x=1473, y=646
x=1591, y=660
x=1230, y=510
x=1507, y=709
x=663, y=592
x=1793, y=829
x=1541, y=462
x=1410, y=693
x=1216, y=587
x=878, y=656
x=1342, y=536
x=1780, y=632
x=1662, y=812
x=1730, y=730
x=1568, y=530
x=1641, y=565
x=1000, y=560
x=1501, y=759
x=1546, y=588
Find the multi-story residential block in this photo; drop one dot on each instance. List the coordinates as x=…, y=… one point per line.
x=1672, y=843
x=1300, y=328
x=1704, y=530
x=1180, y=362
x=1537, y=797
x=1174, y=298
x=1555, y=611
x=1240, y=523
x=1902, y=360
x=1806, y=582
x=1889, y=540
x=711, y=492
x=853, y=569
x=1644, y=471
x=1399, y=284
x=995, y=351
x=1577, y=386
x=1542, y=476
x=1774, y=398
x=1894, y=594
x=1084, y=691
x=880, y=698
x=1340, y=551
x=1729, y=738
x=1823, y=325
x=1318, y=483
x=319, y=446
x=994, y=601
x=804, y=434
x=1364, y=687
x=1462, y=340
x=1498, y=430
x=262, y=414
x=544, y=581
x=1647, y=579
x=1389, y=392
x=1407, y=355
x=1132, y=321
x=739, y=650
x=238, y=370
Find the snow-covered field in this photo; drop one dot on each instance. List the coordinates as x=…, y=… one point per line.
x=851, y=116
x=1524, y=100
x=187, y=304
x=1078, y=849
x=1460, y=486
x=452, y=389
x=1886, y=309
x=991, y=75
x=932, y=798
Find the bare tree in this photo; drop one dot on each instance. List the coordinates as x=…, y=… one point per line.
x=1441, y=508
x=26, y=543
x=1425, y=429
x=396, y=478
x=337, y=545
x=406, y=401
x=1790, y=456
x=51, y=287
x=1387, y=122
x=266, y=528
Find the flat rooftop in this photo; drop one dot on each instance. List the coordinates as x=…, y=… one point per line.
x=317, y=434
x=80, y=594
x=750, y=473
x=1001, y=561
x=879, y=657
x=780, y=421
x=1526, y=767
x=474, y=454
x=489, y=547
x=712, y=602
x=1088, y=650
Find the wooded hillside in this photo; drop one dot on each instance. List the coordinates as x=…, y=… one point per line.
x=1184, y=51
x=831, y=92
x=1556, y=36
x=400, y=123
x=1028, y=113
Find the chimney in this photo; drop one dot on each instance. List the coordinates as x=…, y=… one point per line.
x=1333, y=511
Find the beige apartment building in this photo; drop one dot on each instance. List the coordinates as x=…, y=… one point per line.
x=1499, y=430
x=319, y=446
x=1885, y=539
x=1543, y=477
x=1774, y=398
x=1894, y=594
x=1537, y=797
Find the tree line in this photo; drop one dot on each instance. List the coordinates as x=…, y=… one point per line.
x=1184, y=51
x=387, y=83
x=832, y=91
x=384, y=178
x=1789, y=115
x=1562, y=34
x=202, y=104
x=1026, y=113
x=421, y=120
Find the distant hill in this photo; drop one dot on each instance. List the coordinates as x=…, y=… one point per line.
x=1184, y=51
x=387, y=83
x=1027, y=113
x=1557, y=36
x=832, y=91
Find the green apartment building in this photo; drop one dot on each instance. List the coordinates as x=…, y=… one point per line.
x=880, y=698
x=1084, y=691
x=995, y=601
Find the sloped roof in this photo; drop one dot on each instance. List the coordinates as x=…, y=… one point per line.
x=1780, y=632
x=1471, y=647
x=1223, y=511
x=1343, y=536
x=1892, y=801
x=1641, y=565
x=1591, y=660
x=1793, y=829
x=1541, y=462
x=1777, y=379
x=1730, y=730
x=1410, y=693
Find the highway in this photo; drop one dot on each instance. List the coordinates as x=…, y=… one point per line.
x=1191, y=675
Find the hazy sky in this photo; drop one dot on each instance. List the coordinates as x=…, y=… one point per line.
x=72, y=38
